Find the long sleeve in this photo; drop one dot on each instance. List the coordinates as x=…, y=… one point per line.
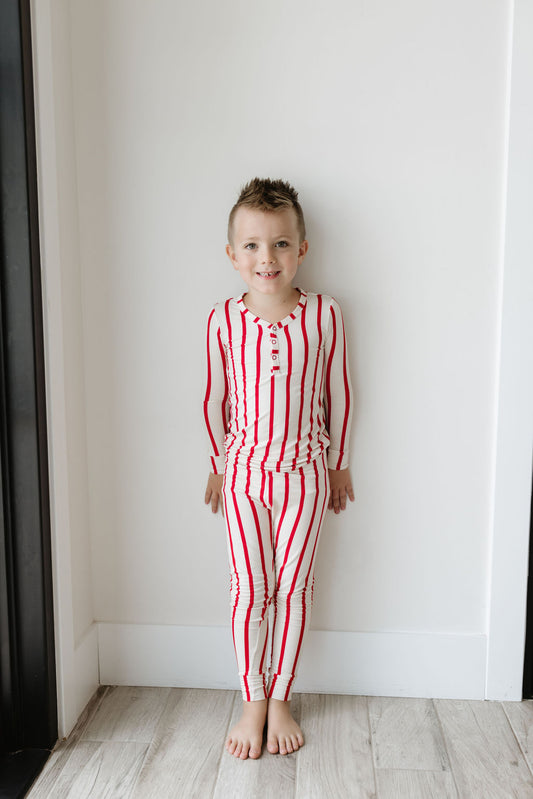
x=338, y=398
x=216, y=403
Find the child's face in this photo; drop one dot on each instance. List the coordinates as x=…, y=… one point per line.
x=266, y=249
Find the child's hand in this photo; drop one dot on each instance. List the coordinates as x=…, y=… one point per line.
x=213, y=492
x=340, y=487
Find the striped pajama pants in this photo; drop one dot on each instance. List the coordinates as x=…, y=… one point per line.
x=273, y=522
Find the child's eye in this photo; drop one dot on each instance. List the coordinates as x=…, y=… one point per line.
x=282, y=244
x=250, y=246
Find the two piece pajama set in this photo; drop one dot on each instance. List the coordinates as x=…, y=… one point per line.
x=278, y=408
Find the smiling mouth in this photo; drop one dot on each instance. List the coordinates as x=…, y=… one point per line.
x=268, y=274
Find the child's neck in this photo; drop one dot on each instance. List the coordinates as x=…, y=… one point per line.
x=273, y=308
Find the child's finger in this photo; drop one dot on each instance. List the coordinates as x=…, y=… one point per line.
x=216, y=500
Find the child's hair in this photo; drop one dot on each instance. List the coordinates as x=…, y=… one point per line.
x=264, y=194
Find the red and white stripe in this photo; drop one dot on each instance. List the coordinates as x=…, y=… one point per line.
x=277, y=396
x=272, y=547
x=278, y=406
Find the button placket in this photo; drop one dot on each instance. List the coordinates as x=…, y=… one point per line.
x=275, y=349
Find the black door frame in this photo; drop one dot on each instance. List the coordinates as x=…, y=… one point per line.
x=28, y=700
x=527, y=685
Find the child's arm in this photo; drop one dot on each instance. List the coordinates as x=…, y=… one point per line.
x=338, y=403
x=216, y=410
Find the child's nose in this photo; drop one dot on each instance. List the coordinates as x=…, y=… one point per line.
x=268, y=255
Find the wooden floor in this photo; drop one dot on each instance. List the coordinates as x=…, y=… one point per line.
x=167, y=743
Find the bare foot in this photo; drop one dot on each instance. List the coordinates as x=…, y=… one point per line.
x=284, y=735
x=246, y=737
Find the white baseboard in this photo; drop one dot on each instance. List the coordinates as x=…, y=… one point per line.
x=372, y=664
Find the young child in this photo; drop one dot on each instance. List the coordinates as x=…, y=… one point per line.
x=278, y=407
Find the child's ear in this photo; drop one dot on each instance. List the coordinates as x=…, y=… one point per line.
x=231, y=255
x=302, y=250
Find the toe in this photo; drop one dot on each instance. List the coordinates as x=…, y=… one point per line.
x=272, y=746
x=295, y=744
x=244, y=751
x=254, y=752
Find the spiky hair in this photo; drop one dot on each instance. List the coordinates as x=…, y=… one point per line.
x=265, y=194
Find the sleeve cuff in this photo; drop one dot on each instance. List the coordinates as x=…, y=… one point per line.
x=217, y=463
x=338, y=460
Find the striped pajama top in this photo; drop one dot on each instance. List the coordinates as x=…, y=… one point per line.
x=277, y=395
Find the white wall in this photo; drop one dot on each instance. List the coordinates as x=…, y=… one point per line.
x=391, y=119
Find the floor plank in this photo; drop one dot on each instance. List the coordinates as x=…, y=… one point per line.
x=484, y=753
x=183, y=759
x=398, y=784
x=128, y=714
x=269, y=777
x=336, y=760
x=520, y=715
x=43, y=786
x=406, y=734
x=100, y=770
